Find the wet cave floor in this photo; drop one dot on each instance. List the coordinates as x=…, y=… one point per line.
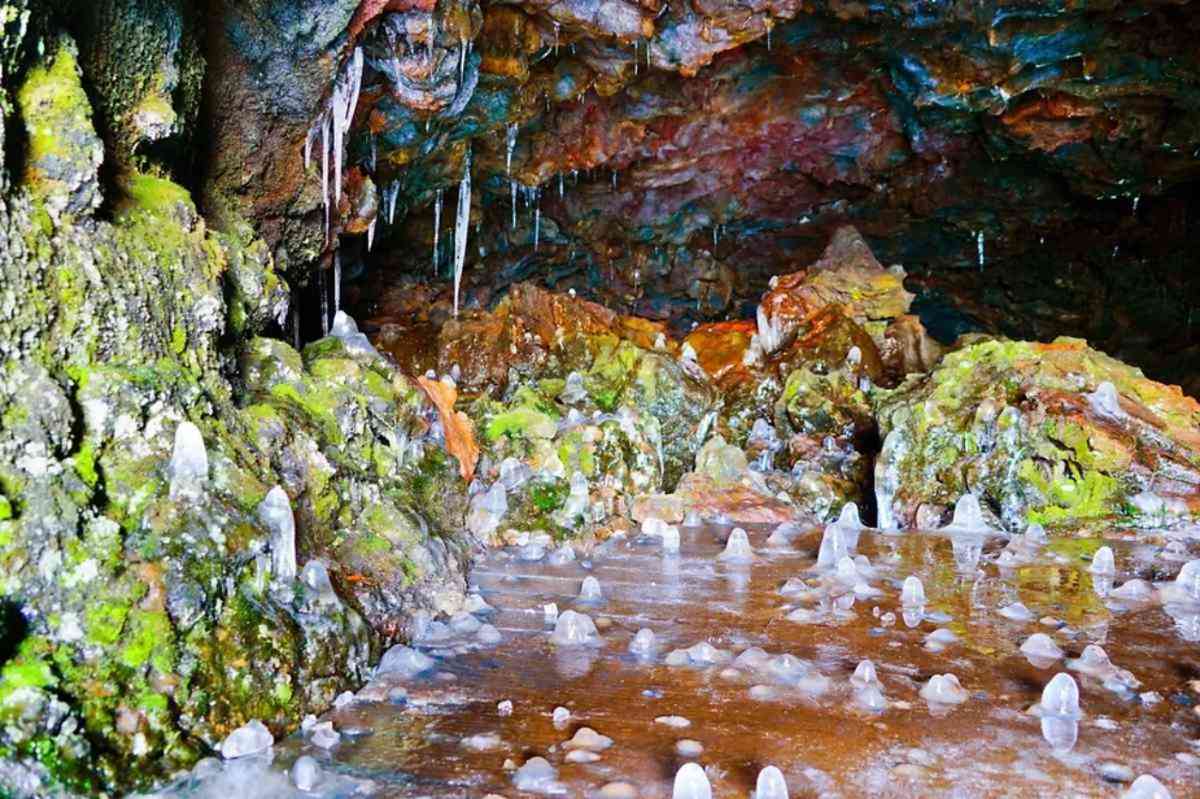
x=439, y=728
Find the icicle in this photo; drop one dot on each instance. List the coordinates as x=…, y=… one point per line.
x=635, y=57
x=1135, y=203
x=326, y=122
x=556, y=33
x=462, y=224
x=979, y=248
x=337, y=271
x=371, y=235
x=389, y=200
x=462, y=58
x=614, y=180
x=308, y=143
x=513, y=185
x=537, y=225
x=560, y=185
x=510, y=145
x=324, y=302
x=769, y=26
x=437, y=228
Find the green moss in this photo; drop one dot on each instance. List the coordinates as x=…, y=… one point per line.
x=6, y=511
x=51, y=93
x=147, y=639
x=157, y=196
x=1073, y=494
x=27, y=669
x=85, y=464
x=104, y=621
x=521, y=422
x=548, y=495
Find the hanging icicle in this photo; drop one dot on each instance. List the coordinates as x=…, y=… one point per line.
x=389, y=200
x=560, y=185
x=437, y=228
x=371, y=234
x=331, y=126
x=979, y=248
x=510, y=146
x=462, y=224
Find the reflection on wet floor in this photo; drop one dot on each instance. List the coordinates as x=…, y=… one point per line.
x=738, y=657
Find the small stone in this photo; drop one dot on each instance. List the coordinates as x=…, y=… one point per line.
x=686, y=747
x=505, y=708
x=618, y=790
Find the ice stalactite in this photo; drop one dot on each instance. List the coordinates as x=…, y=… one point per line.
x=979, y=248
x=390, y=195
x=331, y=127
x=510, y=145
x=437, y=228
x=463, y=43
x=371, y=234
x=462, y=224
x=557, y=31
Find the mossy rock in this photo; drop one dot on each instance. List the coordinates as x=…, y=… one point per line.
x=1021, y=425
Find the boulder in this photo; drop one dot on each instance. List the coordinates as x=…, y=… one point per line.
x=1058, y=433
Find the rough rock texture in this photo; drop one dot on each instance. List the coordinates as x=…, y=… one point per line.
x=143, y=618
x=1028, y=428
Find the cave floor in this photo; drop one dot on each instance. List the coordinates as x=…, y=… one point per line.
x=451, y=738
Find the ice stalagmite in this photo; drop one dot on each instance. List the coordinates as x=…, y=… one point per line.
x=1103, y=562
x=912, y=594
x=770, y=784
x=462, y=223
x=968, y=516
x=1060, y=697
x=275, y=513
x=189, y=462
x=691, y=783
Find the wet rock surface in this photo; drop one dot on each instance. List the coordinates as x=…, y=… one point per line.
x=744, y=681
x=625, y=346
